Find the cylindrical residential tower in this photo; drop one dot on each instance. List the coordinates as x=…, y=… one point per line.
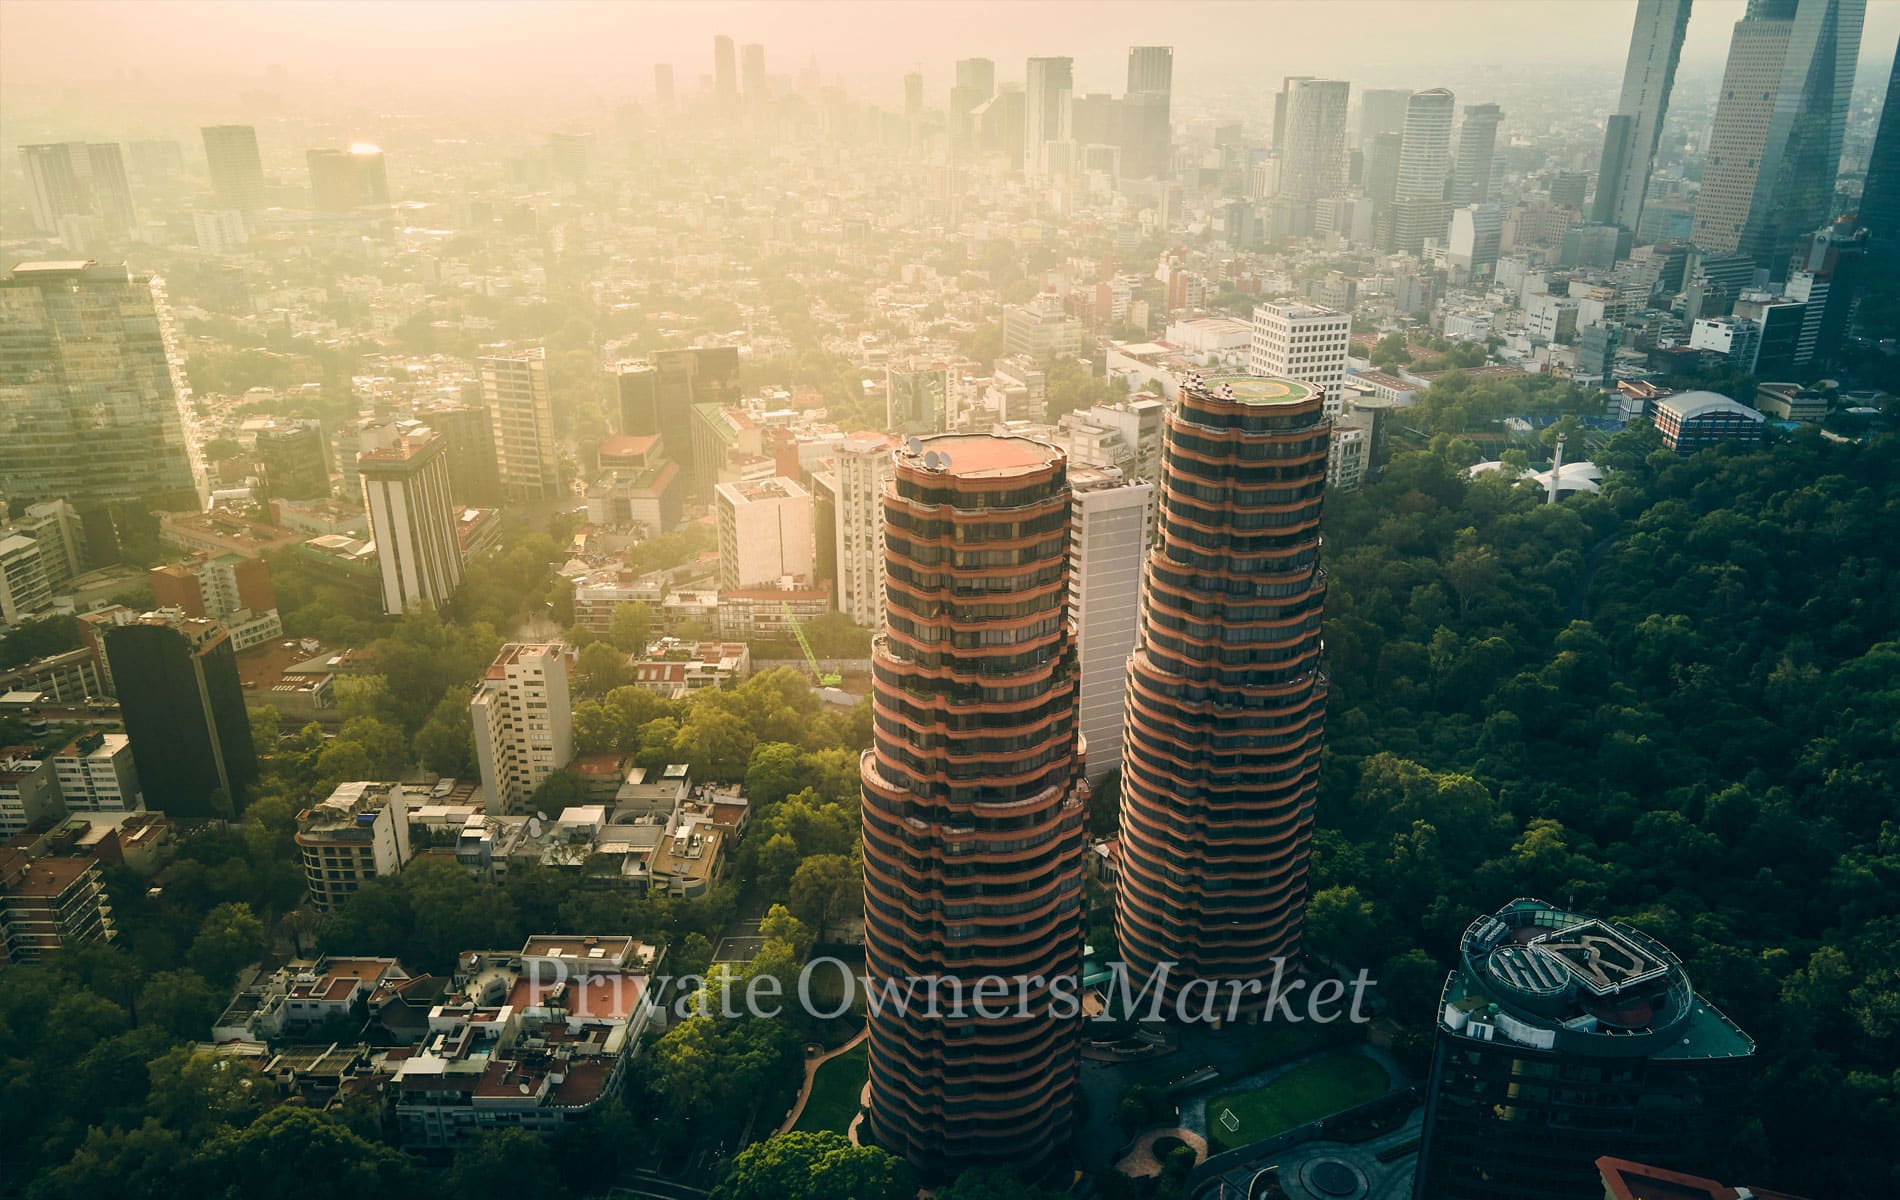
x=973, y=831
x=1226, y=699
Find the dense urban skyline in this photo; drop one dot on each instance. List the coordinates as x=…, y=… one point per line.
x=806, y=601
x=407, y=45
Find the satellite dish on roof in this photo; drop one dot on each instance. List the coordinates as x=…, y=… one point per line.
x=934, y=461
x=534, y=827
x=539, y=813
x=914, y=445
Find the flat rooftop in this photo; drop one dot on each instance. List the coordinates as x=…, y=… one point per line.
x=979, y=455
x=1257, y=389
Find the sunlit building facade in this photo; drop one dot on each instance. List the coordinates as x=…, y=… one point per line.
x=973, y=826
x=1226, y=699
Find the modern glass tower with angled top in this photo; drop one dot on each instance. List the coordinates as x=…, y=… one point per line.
x=1226, y=700
x=974, y=832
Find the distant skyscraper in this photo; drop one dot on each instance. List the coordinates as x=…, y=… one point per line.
x=1425, y=151
x=1047, y=92
x=1477, y=144
x=1562, y=1037
x=752, y=75
x=1313, y=156
x=1419, y=210
x=342, y=180
x=975, y=84
x=515, y=390
x=93, y=404
x=237, y=172
x=54, y=187
x=663, y=86
x=184, y=712
x=1282, y=105
x=1381, y=110
x=1220, y=760
x=1880, y=197
x=973, y=833
x=1776, y=142
x=405, y=479
x=77, y=179
x=978, y=75
x=725, y=74
x=913, y=95
x=1382, y=167
x=1147, y=130
x=1629, y=146
x=1150, y=68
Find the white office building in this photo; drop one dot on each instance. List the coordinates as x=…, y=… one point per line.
x=860, y=469
x=1304, y=342
x=764, y=532
x=96, y=774
x=1113, y=526
x=524, y=724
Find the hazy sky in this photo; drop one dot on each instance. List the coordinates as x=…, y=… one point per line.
x=541, y=48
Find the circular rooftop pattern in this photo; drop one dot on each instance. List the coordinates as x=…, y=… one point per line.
x=1257, y=389
x=1334, y=1178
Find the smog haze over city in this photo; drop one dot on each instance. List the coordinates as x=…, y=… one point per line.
x=999, y=600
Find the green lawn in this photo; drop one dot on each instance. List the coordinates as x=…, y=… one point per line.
x=1318, y=1089
x=835, y=1091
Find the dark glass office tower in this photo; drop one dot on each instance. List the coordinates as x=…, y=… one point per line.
x=1776, y=142
x=1226, y=700
x=184, y=712
x=974, y=833
x=1564, y=1037
x=1880, y=198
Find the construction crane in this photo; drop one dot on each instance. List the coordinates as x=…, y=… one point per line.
x=824, y=678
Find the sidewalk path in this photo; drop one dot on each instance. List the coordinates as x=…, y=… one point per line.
x=811, y=1072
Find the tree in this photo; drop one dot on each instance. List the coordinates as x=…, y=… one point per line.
x=600, y=668
x=993, y=1184
x=299, y=1154
x=777, y=769
x=781, y=926
x=1390, y=351
x=716, y=741
x=826, y=887
x=181, y=1003
x=145, y=1162
x=814, y=1166
x=503, y=1164
x=196, y=1093
x=230, y=937
x=631, y=626
x=445, y=743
